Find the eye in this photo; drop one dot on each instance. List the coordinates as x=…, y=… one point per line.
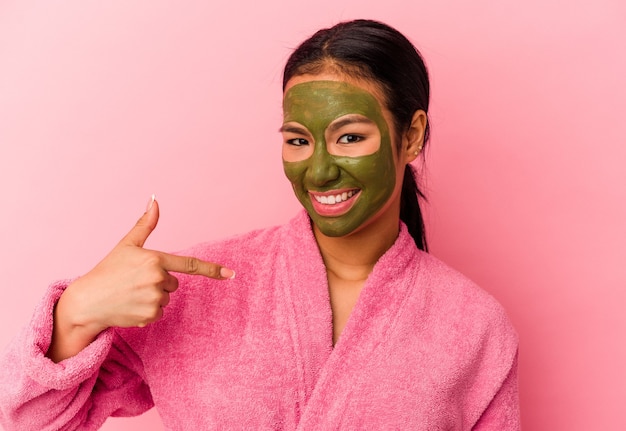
x=349, y=139
x=297, y=142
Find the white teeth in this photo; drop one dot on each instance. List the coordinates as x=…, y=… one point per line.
x=331, y=200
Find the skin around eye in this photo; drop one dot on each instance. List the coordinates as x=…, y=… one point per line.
x=297, y=142
x=353, y=136
x=296, y=148
x=358, y=144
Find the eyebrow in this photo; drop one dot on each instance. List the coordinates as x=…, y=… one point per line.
x=351, y=119
x=293, y=129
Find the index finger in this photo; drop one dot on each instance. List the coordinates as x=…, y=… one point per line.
x=194, y=266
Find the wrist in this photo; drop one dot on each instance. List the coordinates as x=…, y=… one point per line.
x=72, y=317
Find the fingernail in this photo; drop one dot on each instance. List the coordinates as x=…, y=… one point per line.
x=227, y=273
x=152, y=198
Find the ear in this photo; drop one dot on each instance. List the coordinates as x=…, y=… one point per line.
x=413, y=140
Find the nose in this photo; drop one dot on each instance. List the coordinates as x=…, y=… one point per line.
x=322, y=167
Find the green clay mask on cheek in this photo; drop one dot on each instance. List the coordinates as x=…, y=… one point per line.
x=340, y=193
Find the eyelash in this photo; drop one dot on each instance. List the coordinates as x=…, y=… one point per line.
x=352, y=138
x=298, y=142
x=357, y=138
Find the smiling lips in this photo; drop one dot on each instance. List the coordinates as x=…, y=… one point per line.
x=333, y=203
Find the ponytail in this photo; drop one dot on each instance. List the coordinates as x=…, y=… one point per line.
x=410, y=212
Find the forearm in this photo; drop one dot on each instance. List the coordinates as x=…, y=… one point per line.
x=70, y=335
x=38, y=394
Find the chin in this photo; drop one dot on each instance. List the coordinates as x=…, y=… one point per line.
x=334, y=233
x=336, y=229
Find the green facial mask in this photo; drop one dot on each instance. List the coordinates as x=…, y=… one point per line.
x=315, y=105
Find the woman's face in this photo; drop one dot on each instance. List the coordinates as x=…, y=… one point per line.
x=338, y=152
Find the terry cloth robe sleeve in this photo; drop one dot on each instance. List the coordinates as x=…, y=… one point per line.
x=103, y=380
x=503, y=411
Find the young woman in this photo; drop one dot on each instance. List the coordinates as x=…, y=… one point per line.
x=337, y=320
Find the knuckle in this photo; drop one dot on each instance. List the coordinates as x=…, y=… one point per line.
x=213, y=271
x=172, y=284
x=144, y=320
x=149, y=315
x=158, y=278
x=156, y=297
x=153, y=259
x=191, y=265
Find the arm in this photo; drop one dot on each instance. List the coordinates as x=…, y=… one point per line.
x=71, y=369
x=103, y=379
x=502, y=413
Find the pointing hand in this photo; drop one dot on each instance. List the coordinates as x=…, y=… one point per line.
x=129, y=287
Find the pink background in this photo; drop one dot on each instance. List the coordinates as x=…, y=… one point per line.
x=104, y=103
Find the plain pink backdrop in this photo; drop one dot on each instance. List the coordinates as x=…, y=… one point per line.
x=104, y=103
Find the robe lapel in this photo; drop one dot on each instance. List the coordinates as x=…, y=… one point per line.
x=307, y=305
x=326, y=372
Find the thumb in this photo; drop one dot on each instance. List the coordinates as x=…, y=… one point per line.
x=144, y=226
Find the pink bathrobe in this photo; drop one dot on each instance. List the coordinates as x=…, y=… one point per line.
x=424, y=349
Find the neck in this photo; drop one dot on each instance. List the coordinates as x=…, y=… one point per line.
x=352, y=257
